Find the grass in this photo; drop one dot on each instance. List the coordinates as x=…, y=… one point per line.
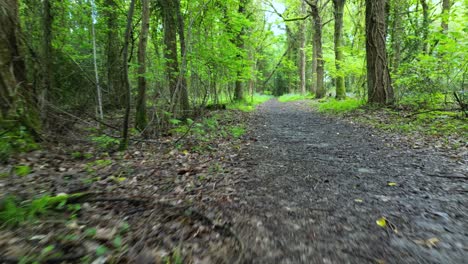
x=294, y=97
x=249, y=104
x=339, y=106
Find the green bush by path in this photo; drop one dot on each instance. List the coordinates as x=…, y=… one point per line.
x=249, y=104
x=339, y=106
x=294, y=97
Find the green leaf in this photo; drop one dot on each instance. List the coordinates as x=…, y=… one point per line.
x=101, y=250
x=382, y=222
x=117, y=242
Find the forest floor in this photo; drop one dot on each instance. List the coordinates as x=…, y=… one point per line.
x=299, y=187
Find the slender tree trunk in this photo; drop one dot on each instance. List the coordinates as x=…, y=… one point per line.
x=170, y=49
x=320, y=89
x=396, y=36
x=47, y=58
x=140, y=119
x=114, y=63
x=338, y=38
x=425, y=26
x=378, y=77
x=238, y=90
x=98, y=87
x=314, y=63
x=302, y=52
x=445, y=15
x=128, y=31
x=184, y=98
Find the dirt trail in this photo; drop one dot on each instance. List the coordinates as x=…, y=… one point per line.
x=315, y=187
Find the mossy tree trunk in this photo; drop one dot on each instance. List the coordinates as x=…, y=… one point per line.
x=379, y=86
x=141, y=120
x=338, y=39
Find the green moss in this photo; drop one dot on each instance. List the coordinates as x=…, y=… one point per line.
x=294, y=97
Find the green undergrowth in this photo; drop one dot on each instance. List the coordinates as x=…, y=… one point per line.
x=338, y=106
x=15, y=140
x=294, y=97
x=250, y=103
x=202, y=133
x=13, y=211
x=443, y=124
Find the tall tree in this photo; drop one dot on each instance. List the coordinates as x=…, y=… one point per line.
x=169, y=16
x=14, y=91
x=445, y=15
x=128, y=31
x=238, y=89
x=96, y=72
x=378, y=77
x=338, y=39
x=47, y=58
x=320, y=72
x=140, y=120
x=113, y=48
x=302, y=52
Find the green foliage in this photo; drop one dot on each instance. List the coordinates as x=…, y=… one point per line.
x=294, y=97
x=13, y=211
x=248, y=105
x=15, y=140
x=237, y=131
x=339, y=106
x=22, y=170
x=105, y=142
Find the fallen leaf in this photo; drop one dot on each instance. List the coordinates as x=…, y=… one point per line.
x=382, y=222
x=358, y=200
x=392, y=184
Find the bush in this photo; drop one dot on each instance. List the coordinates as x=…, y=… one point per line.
x=294, y=97
x=15, y=140
x=340, y=106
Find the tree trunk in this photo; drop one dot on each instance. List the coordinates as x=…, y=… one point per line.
x=238, y=90
x=114, y=63
x=338, y=38
x=184, y=99
x=128, y=31
x=445, y=15
x=302, y=53
x=140, y=119
x=378, y=78
x=320, y=89
x=13, y=85
x=425, y=26
x=96, y=73
x=313, y=88
x=47, y=78
x=396, y=36
x=170, y=49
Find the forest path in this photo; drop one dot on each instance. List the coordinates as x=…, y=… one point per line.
x=315, y=186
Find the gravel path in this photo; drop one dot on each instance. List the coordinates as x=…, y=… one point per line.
x=315, y=187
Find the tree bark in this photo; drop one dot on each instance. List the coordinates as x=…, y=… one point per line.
x=96, y=73
x=302, y=53
x=114, y=63
x=238, y=90
x=425, y=26
x=47, y=78
x=320, y=89
x=338, y=39
x=15, y=92
x=445, y=15
x=140, y=119
x=170, y=50
x=379, y=86
x=128, y=31
x=184, y=99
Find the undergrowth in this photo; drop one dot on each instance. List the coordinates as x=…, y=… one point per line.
x=249, y=103
x=294, y=97
x=339, y=106
x=14, y=212
x=15, y=140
